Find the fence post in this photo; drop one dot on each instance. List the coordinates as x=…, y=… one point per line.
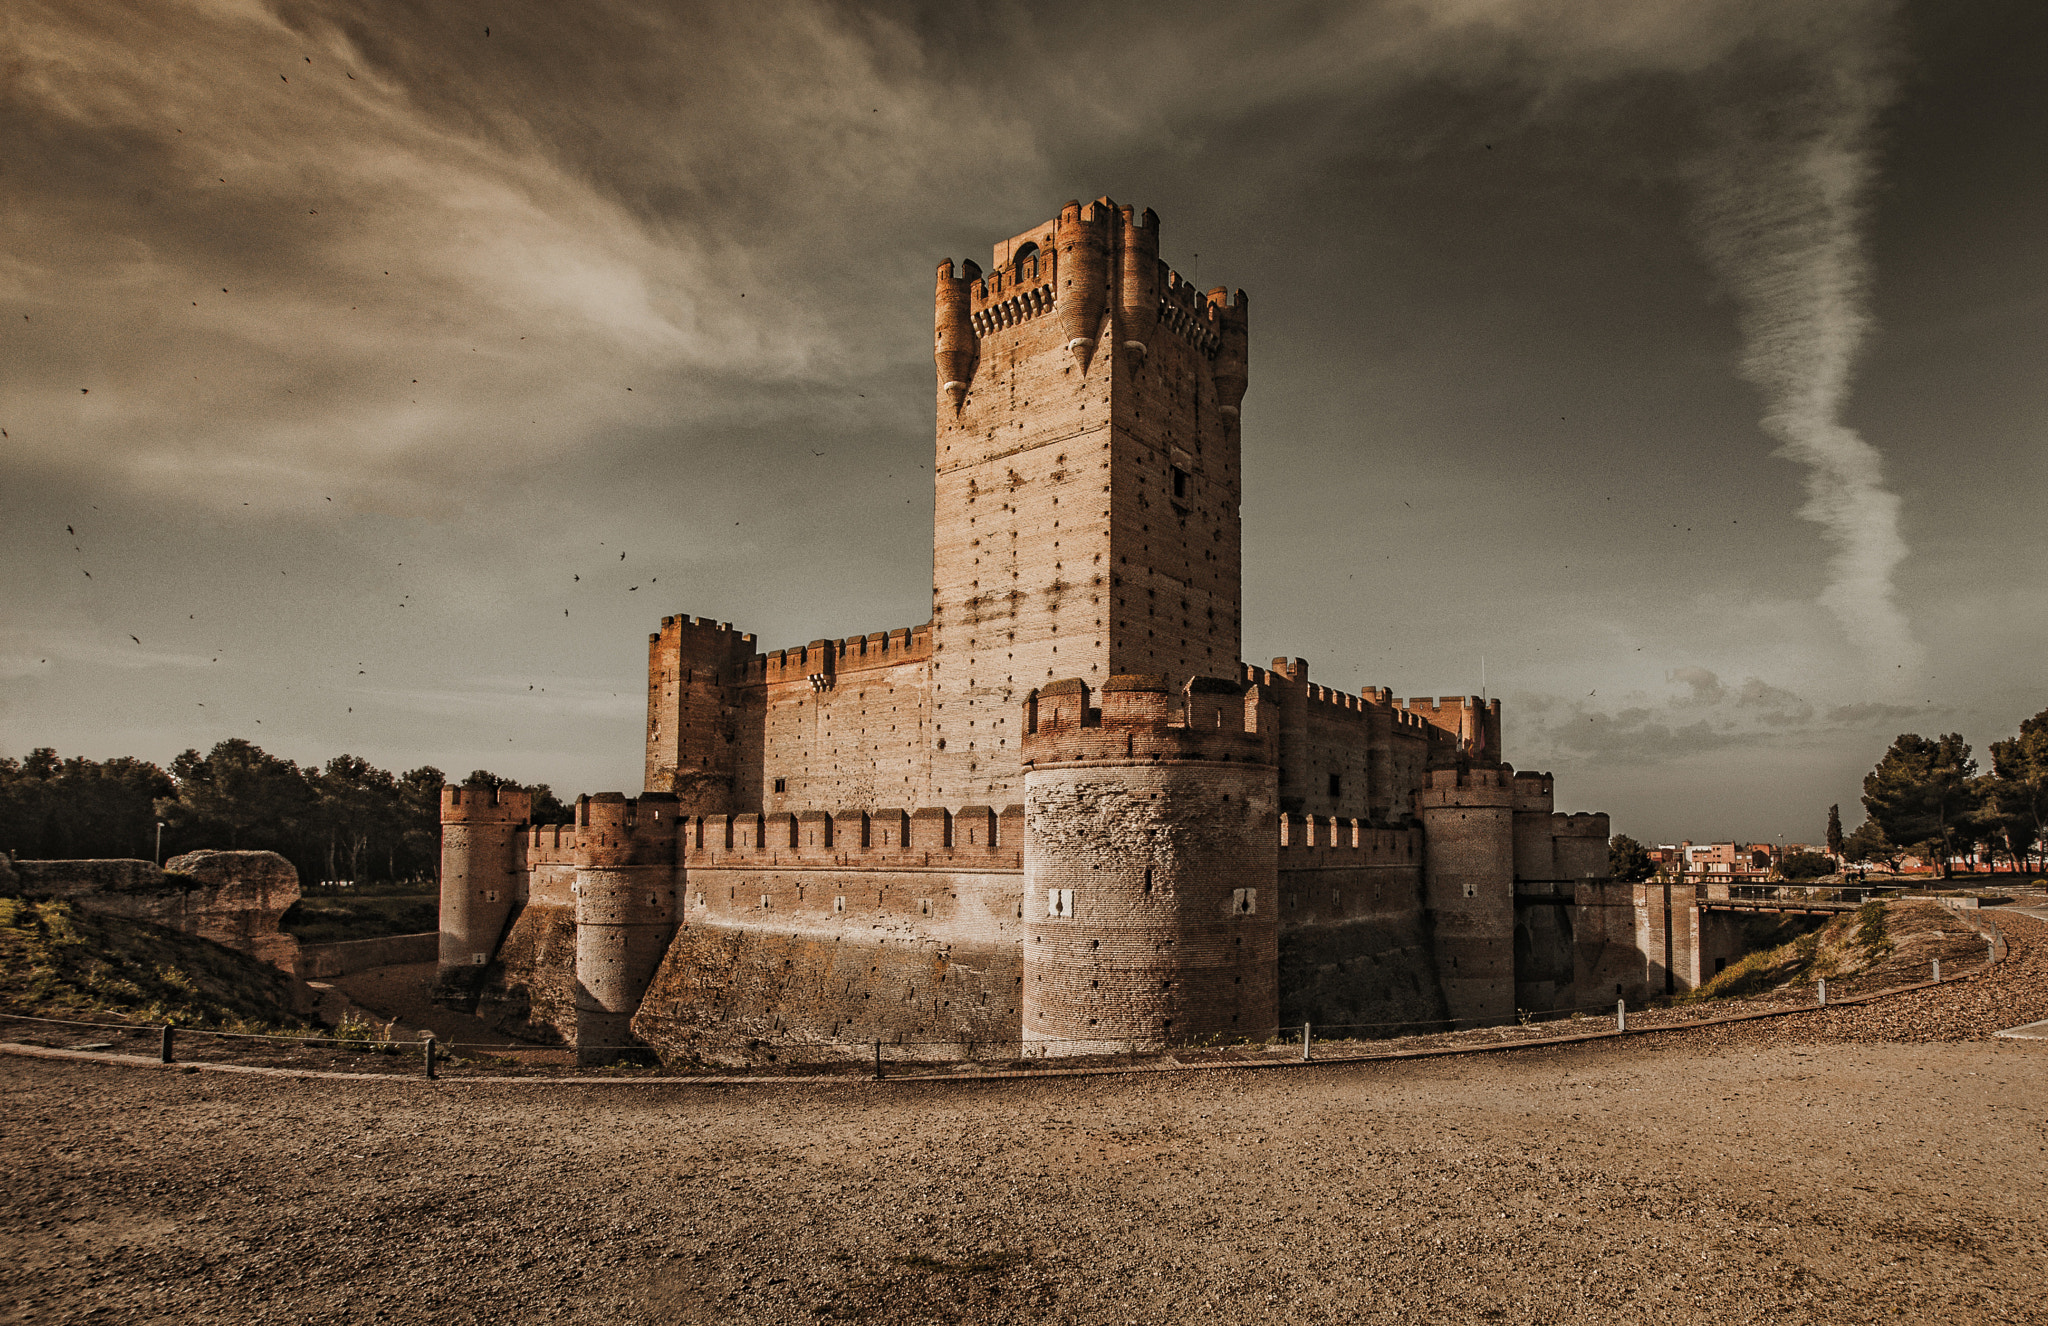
x=427, y=1054
x=1820, y=992
x=164, y=1055
x=878, y=1060
x=1304, y=1042
x=1937, y=971
x=1621, y=1015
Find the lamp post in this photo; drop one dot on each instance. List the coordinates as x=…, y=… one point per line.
x=159, y=842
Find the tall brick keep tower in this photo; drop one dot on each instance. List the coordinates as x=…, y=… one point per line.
x=1087, y=478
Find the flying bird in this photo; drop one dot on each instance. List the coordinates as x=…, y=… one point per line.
x=69, y=530
x=136, y=638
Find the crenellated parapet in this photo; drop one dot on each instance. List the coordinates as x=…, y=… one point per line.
x=971, y=837
x=820, y=662
x=1142, y=717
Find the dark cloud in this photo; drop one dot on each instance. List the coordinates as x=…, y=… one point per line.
x=303, y=252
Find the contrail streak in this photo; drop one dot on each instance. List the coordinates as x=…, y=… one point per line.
x=1782, y=203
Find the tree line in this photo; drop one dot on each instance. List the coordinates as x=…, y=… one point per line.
x=344, y=820
x=1927, y=798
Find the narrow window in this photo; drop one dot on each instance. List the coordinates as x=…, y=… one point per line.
x=1336, y=784
x=1180, y=482
x=782, y=784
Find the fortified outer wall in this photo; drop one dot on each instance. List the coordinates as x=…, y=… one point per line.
x=864, y=925
x=1354, y=950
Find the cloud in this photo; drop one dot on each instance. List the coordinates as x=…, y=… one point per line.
x=1781, y=204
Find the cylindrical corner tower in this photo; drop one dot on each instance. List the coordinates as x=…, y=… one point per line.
x=1138, y=288
x=955, y=345
x=1083, y=276
x=1469, y=886
x=1150, y=868
x=481, y=860
x=625, y=913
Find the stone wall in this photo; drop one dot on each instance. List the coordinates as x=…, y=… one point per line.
x=529, y=987
x=321, y=961
x=234, y=899
x=721, y=986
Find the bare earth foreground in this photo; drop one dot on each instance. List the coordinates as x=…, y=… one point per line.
x=1848, y=1165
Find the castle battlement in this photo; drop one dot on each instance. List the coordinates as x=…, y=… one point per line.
x=472, y=804
x=1142, y=718
x=926, y=833
x=1330, y=839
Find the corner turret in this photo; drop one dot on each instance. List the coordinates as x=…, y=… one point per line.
x=482, y=869
x=1083, y=275
x=625, y=913
x=955, y=345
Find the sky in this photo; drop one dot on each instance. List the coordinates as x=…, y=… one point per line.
x=375, y=375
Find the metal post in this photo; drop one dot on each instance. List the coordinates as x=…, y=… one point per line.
x=1304, y=1042
x=1937, y=971
x=1820, y=992
x=427, y=1054
x=1621, y=1015
x=164, y=1055
x=878, y=1060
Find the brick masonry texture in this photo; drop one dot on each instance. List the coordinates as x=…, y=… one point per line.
x=1062, y=811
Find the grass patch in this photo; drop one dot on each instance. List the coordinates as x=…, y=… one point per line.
x=1848, y=945
x=58, y=960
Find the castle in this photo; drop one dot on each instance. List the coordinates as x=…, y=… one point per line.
x=1062, y=812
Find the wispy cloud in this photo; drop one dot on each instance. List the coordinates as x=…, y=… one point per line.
x=1782, y=202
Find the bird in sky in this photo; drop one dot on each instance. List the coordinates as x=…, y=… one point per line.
x=70, y=531
x=137, y=639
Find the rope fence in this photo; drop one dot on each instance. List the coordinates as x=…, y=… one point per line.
x=846, y=1054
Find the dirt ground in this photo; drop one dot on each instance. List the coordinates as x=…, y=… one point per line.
x=1841, y=1165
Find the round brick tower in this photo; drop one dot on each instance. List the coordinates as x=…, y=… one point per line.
x=1469, y=884
x=480, y=875
x=625, y=913
x=1150, y=866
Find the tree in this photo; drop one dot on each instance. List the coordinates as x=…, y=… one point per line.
x=1869, y=844
x=1806, y=865
x=358, y=811
x=1628, y=860
x=1834, y=838
x=240, y=790
x=1925, y=793
x=2017, y=790
x=54, y=808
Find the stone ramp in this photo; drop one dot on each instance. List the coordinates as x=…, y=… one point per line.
x=404, y=992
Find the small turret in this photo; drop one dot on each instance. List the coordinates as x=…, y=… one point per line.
x=480, y=876
x=1231, y=351
x=956, y=345
x=1083, y=276
x=625, y=913
x=1138, y=291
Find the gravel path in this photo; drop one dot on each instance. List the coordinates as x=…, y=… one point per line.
x=1843, y=1165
